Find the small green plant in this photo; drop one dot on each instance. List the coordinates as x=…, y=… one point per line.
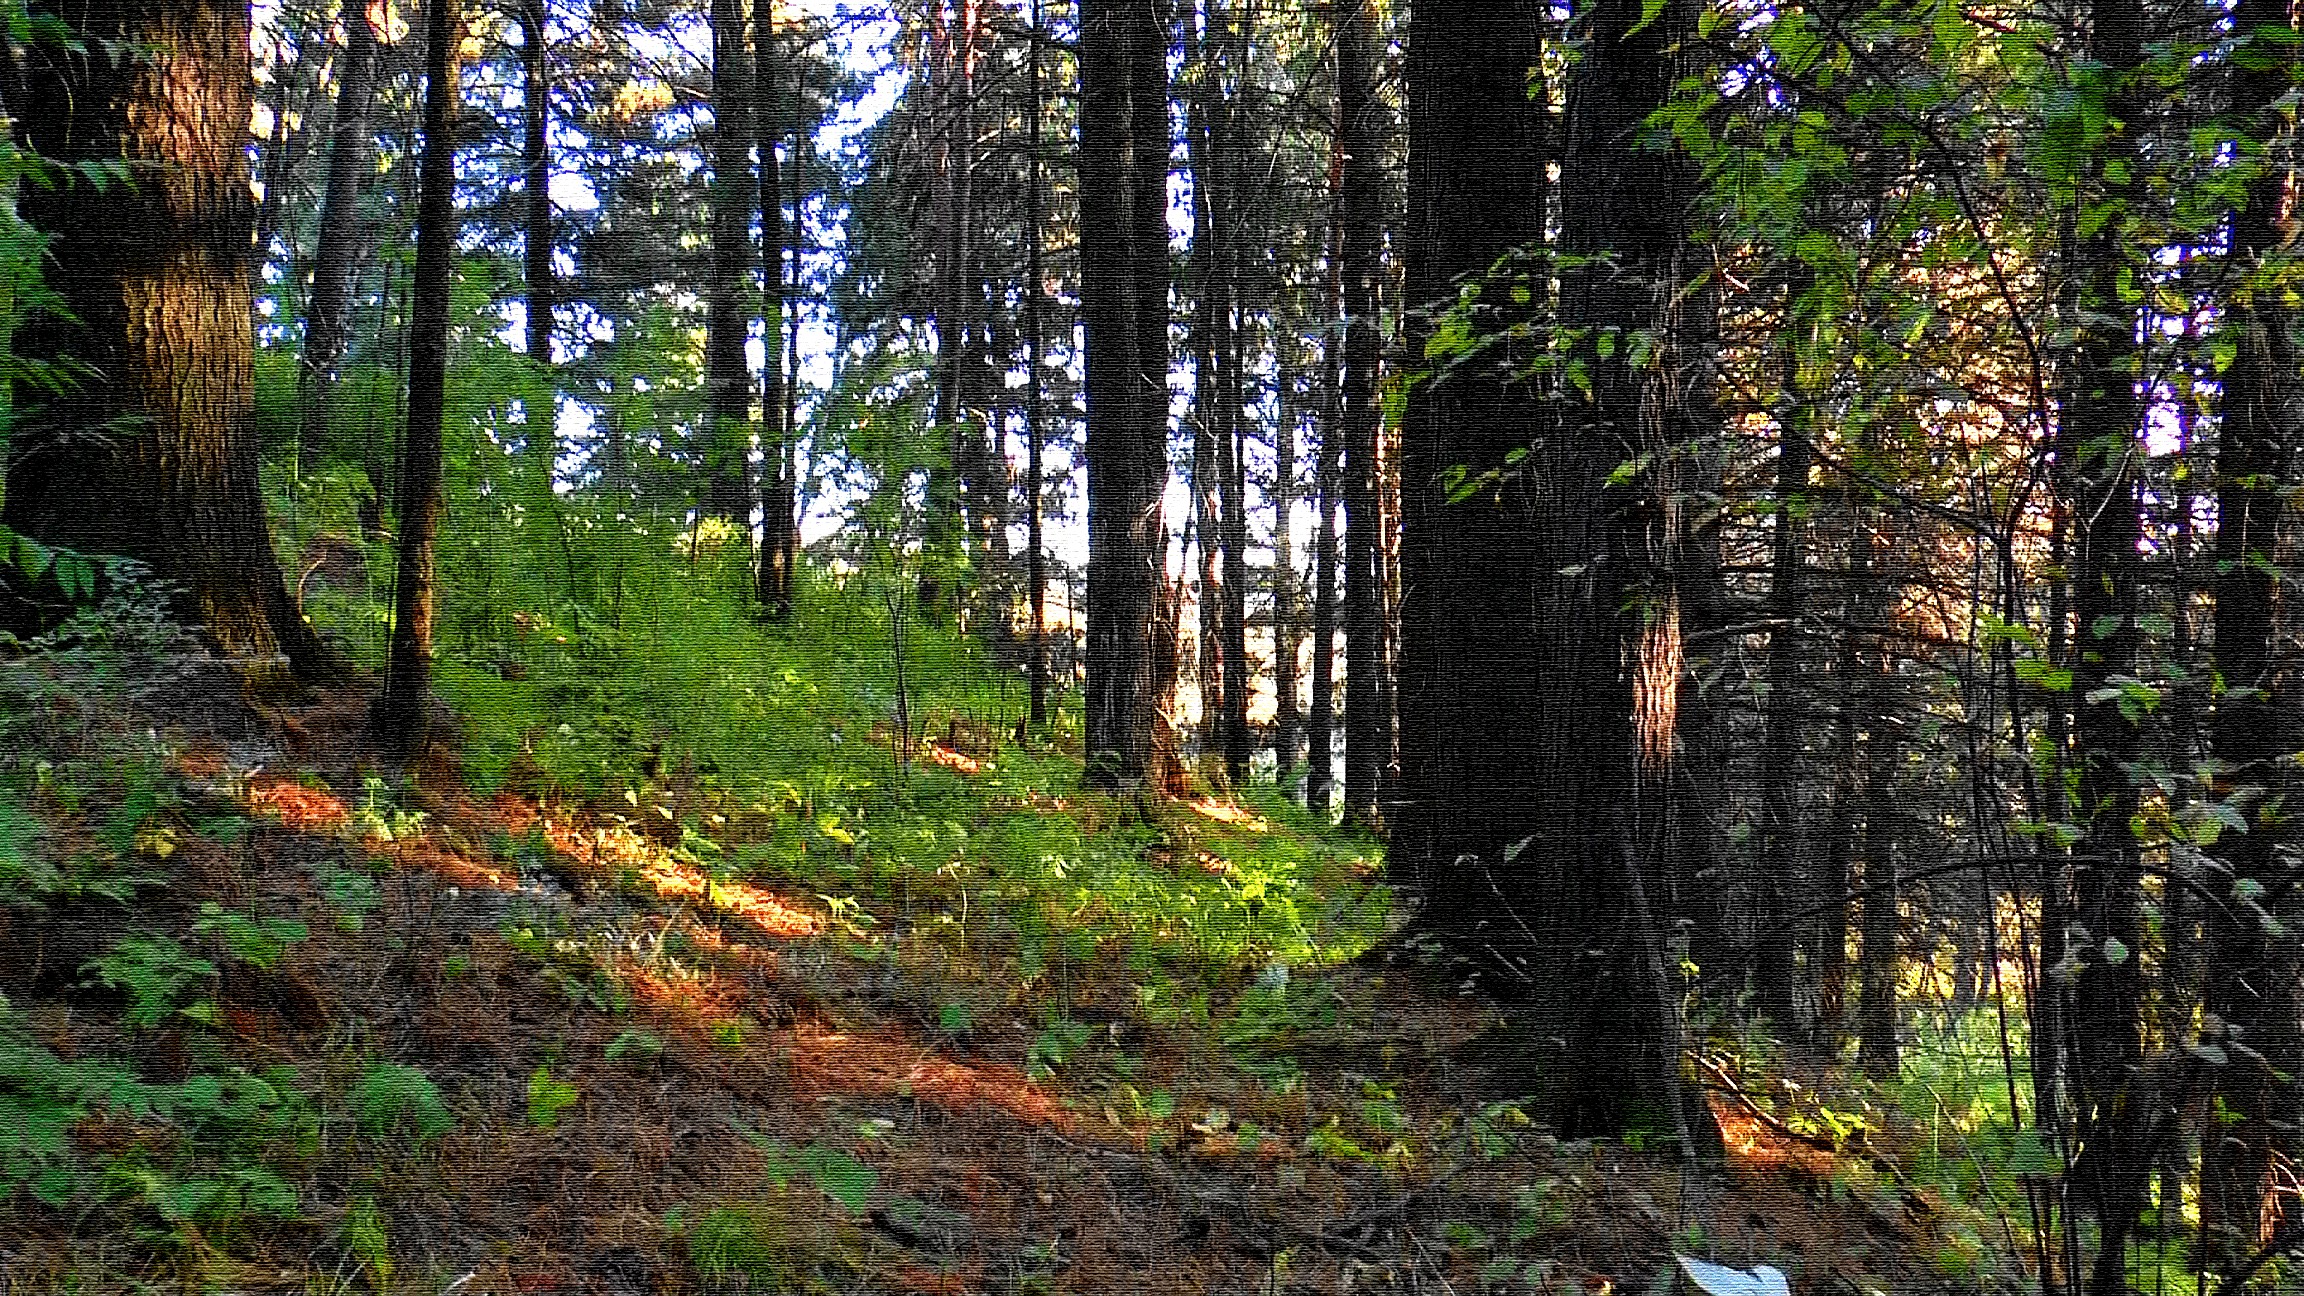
x=355, y=895
x=745, y=1240
x=1056, y=1043
x=839, y=1174
x=638, y=1045
x=379, y=814
x=257, y=941
x=547, y=1098
x=155, y=972
x=368, y=1239
x=393, y=1097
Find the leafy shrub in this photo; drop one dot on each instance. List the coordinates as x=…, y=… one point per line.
x=394, y=1098
x=154, y=972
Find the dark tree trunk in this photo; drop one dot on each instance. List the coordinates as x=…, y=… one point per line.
x=402, y=710
x=727, y=385
x=1877, y=1044
x=1286, y=718
x=1367, y=729
x=328, y=315
x=779, y=503
x=1541, y=661
x=1320, y=738
x=2097, y=451
x=2254, y=970
x=536, y=180
x=1209, y=324
x=1035, y=433
x=1783, y=845
x=1123, y=177
x=153, y=454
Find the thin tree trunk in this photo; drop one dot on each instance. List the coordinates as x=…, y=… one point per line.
x=778, y=507
x=1286, y=719
x=1367, y=732
x=1035, y=483
x=1782, y=844
x=727, y=395
x=536, y=173
x=403, y=709
x=328, y=316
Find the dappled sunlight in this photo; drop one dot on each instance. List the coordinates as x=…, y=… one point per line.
x=937, y=753
x=451, y=866
x=1224, y=812
x=869, y=1062
x=301, y=808
x=764, y=910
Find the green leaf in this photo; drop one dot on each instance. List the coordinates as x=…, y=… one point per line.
x=843, y=1178
x=547, y=1098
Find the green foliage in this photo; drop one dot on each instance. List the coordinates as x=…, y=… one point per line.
x=395, y=1098
x=838, y=1174
x=257, y=941
x=155, y=972
x=199, y=1148
x=547, y=1098
x=367, y=1236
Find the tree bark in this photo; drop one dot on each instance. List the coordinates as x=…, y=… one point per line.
x=2255, y=975
x=727, y=385
x=328, y=316
x=402, y=710
x=152, y=454
x=1367, y=730
x=1123, y=176
x=779, y=503
x=536, y=180
x=1035, y=433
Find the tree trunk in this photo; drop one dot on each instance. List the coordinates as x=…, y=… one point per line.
x=1541, y=659
x=1286, y=717
x=1367, y=730
x=153, y=455
x=1783, y=845
x=727, y=394
x=1123, y=177
x=2097, y=452
x=536, y=173
x=779, y=505
x=2255, y=979
x=403, y=708
x=1035, y=433
x=328, y=315
x=1209, y=321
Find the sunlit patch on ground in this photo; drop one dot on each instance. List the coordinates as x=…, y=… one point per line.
x=304, y=809
x=875, y=1063
x=770, y=913
x=451, y=866
x=937, y=753
x=1751, y=1143
x=1224, y=812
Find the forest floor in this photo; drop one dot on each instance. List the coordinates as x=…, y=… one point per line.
x=282, y=1017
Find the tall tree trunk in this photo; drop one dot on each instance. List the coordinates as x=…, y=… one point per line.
x=1123, y=179
x=1541, y=662
x=2255, y=974
x=1877, y=1045
x=403, y=708
x=1367, y=731
x=1035, y=432
x=1239, y=740
x=1286, y=717
x=779, y=506
x=727, y=319
x=1783, y=845
x=1209, y=321
x=2097, y=450
x=154, y=279
x=536, y=180
x=328, y=314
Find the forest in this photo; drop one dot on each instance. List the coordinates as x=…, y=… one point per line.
x=1067, y=646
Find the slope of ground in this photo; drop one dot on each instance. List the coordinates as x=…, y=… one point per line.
x=281, y=1017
